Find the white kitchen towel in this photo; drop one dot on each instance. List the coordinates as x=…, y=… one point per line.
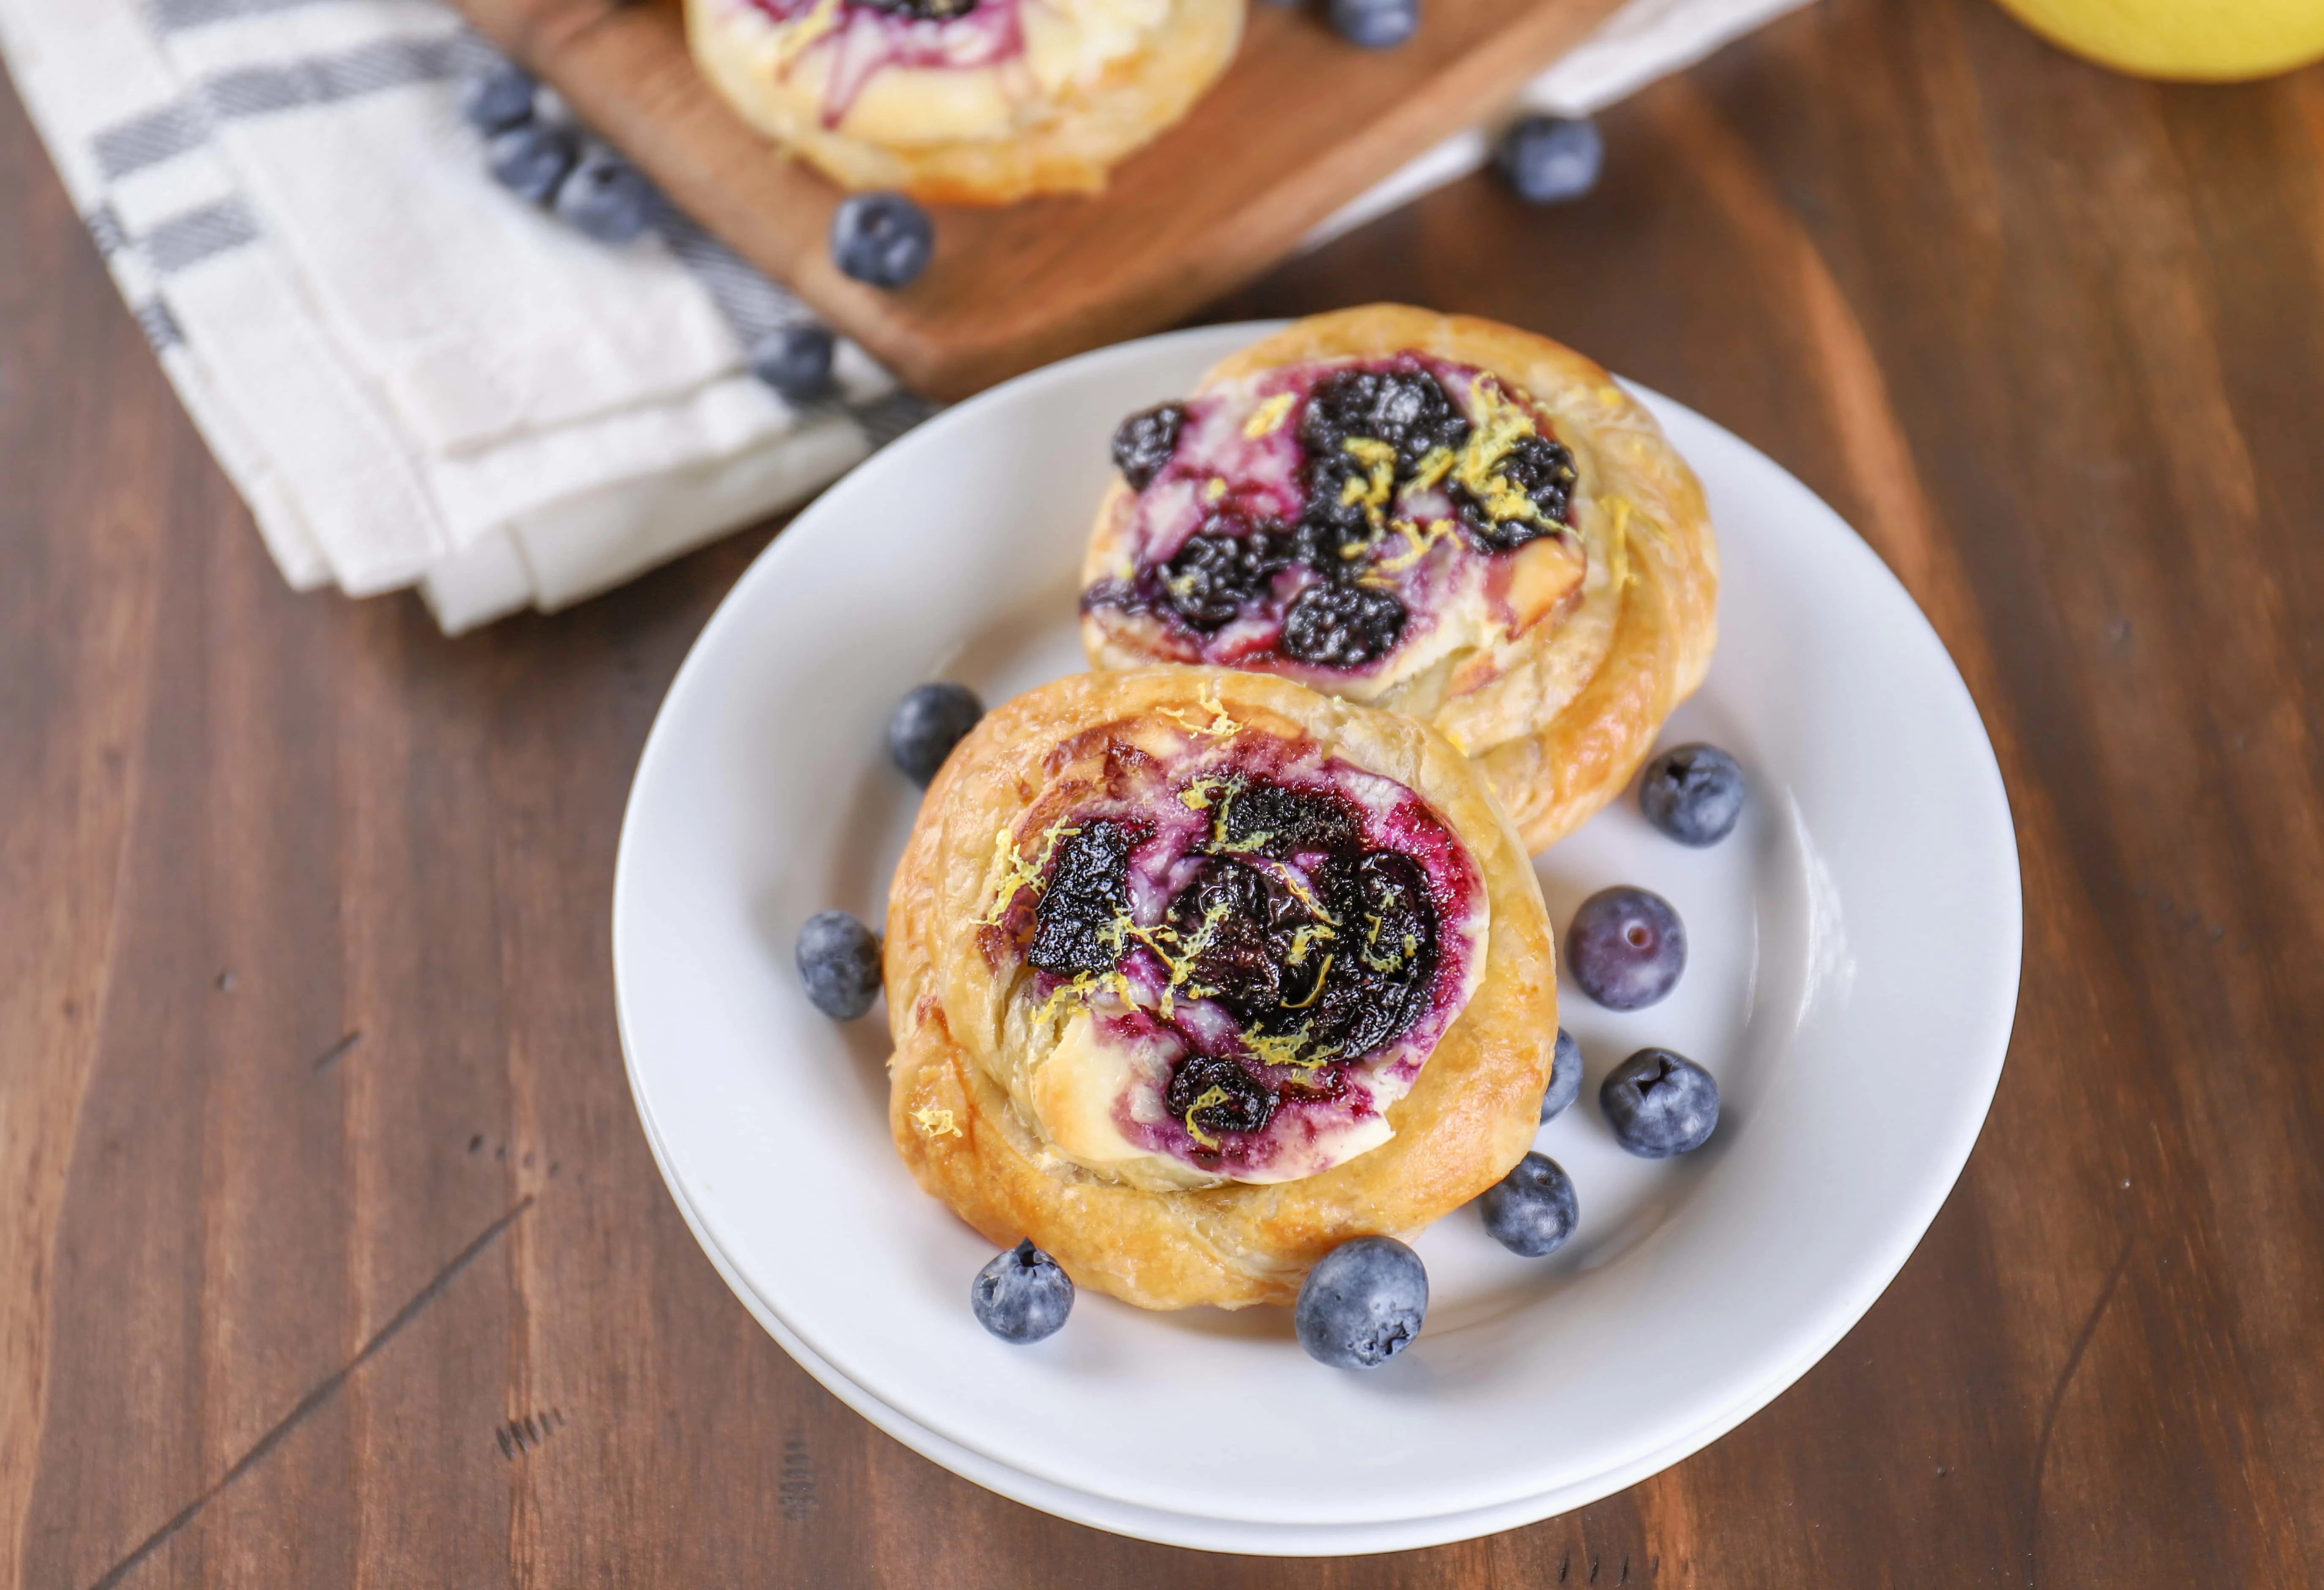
x=415, y=379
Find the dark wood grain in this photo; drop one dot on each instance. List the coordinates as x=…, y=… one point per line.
x=1300, y=124
x=423, y=1313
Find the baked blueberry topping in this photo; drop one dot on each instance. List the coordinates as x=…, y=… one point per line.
x=1409, y=410
x=1363, y=1303
x=1145, y=441
x=1384, y=953
x=1022, y=1295
x=1660, y=1104
x=1627, y=948
x=1213, y=575
x=1213, y=1094
x=1693, y=793
x=921, y=10
x=1228, y=911
x=839, y=964
x=1335, y=625
x=1278, y=820
x=1088, y=893
x=1564, y=1077
x=1544, y=471
x=1531, y=1210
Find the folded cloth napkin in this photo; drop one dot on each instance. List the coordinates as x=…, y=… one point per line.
x=414, y=379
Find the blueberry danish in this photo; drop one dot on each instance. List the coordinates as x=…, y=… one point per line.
x=1195, y=975
x=1433, y=514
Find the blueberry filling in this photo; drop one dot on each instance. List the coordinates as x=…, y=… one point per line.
x=1342, y=626
x=1214, y=574
x=1088, y=892
x=1213, y=1094
x=921, y=10
x=1143, y=443
x=1544, y=471
x=1407, y=408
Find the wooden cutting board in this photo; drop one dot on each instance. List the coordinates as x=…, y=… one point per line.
x=1300, y=124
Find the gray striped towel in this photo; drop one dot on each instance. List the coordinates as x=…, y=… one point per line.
x=413, y=378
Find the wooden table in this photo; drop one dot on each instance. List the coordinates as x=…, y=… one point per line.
x=330, y=1252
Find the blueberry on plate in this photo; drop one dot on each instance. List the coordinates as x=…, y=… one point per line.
x=881, y=238
x=1693, y=793
x=1022, y=1295
x=795, y=360
x=1564, y=1077
x=531, y=158
x=1363, y=1303
x=1627, y=948
x=604, y=197
x=1549, y=159
x=1531, y=1210
x=1375, y=25
x=927, y=723
x=839, y=962
x=498, y=97
x=1660, y=1104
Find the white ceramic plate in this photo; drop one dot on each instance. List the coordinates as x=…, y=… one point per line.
x=1855, y=952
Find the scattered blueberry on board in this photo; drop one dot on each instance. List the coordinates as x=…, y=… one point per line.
x=1531, y=1210
x=531, y=158
x=1022, y=1295
x=1660, y=1104
x=1564, y=1077
x=499, y=97
x=1550, y=160
x=881, y=238
x=1375, y=25
x=1627, y=948
x=604, y=197
x=1363, y=1303
x=839, y=962
x=929, y=723
x=795, y=360
x=1693, y=793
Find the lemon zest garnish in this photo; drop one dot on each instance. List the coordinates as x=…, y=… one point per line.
x=1300, y=942
x=1220, y=726
x=1617, y=540
x=1434, y=465
x=1302, y=893
x=1215, y=490
x=1315, y=992
x=936, y=1123
x=1420, y=541
x=1284, y=1049
x=1213, y=1094
x=1379, y=484
x=1020, y=872
x=1370, y=938
x=1496, y=427
x=810, y=31
x=1268, y=416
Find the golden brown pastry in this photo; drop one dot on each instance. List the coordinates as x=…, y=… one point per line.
x=1194, y=975
x=1432, y=514
x=964, y=101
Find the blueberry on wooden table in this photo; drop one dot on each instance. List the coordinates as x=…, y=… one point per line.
x=1564, y=1077
x=498, y=97
x=1531, y=1210
x=531, y=158
x=1363, y=1303
x=1660, y=1104
x=604, y=197
x=1022, y=1295
x=796, y=361
x=881, y=238
x=1550, y=160
x=1375, y=25
x=1693, y=793
x=839, y=963
x=1626, y=947
x=927, y=723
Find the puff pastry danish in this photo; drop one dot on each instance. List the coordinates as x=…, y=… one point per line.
x=1194, y=975
x=1431, y=514
x=964, y=101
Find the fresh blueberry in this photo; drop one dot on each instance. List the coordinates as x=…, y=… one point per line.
x=531, y=158
x=604, y=197
x=1375, y=25
x=1564, y=1077
x=1022, y=1295
x=1363, y=1303
x=1531, y=1210
x=839, y=962
x=1660, y=1104
x=499, y=97
x=1693, y=793
x=927, y=723
x=1550, y=160
x=881, y=238
x=1627, y=948
x=795, y=360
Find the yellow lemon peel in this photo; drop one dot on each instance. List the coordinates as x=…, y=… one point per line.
x=1268, y=416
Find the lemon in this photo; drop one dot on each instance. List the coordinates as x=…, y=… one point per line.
x=2201, y=41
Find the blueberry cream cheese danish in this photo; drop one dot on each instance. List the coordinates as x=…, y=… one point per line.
x=1195, y=975
x=964, y=101
x=1434, y=514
